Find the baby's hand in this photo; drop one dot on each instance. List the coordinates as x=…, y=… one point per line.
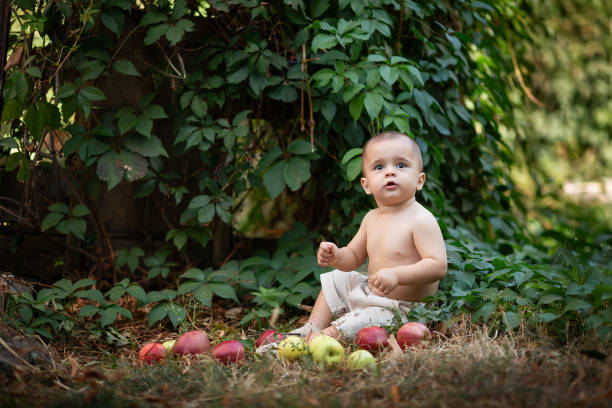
x=385, y=281
x=328, y=254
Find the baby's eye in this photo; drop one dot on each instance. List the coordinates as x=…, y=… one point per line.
x=401, y=165
x=378, y=167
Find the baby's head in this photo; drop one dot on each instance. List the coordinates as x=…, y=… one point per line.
x=392, y=168
x=391, y=135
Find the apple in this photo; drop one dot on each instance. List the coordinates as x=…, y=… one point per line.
x=313, y=343
x=193, y=342
x=168, y=345
x=373, y=338
x=267, y=337
x=327, y=351
x=292, y=347
x=151, y=352
x=359, y=359
x=412, y=334
x=229, y=352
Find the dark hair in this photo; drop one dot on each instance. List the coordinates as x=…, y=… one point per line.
x=393, y=135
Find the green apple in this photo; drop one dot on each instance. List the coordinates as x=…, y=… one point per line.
x=313, y=343
x=168, y=345
x=360, y=359
x=327, y=351
x=292, y=347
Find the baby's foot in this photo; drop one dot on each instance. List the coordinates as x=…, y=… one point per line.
x=305, y=330
x=331, y=331
x=271, y=348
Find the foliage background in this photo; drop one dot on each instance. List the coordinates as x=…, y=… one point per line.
x=204, y=117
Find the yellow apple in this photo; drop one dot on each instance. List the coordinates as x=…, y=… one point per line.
x=292, y=347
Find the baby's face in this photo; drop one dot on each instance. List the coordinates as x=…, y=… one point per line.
x=392, y=171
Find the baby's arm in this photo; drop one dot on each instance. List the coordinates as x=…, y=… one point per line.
x=432, y=266
x=347, y=258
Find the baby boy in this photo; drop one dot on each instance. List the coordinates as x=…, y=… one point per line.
x=401, y=239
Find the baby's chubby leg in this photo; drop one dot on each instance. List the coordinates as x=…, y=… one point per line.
x=320, y=317
x=348, y=325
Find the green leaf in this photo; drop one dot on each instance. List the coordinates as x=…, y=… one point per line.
x=113, y=19
x=154, y=33
x=40, y=116
x=203, y=295
x=299, y=147
x=144, y=126
x=328, y=108
x=353, y=169
x=274, y=180
x=88, y=311
x=91, y=294
x=92, y=93
x=125, y=67
x=194, y=273
x=174, y=34
x=108, y=170
x=146, y=146
x=158, y=313
x=127, y=122
x=180, y=239
x=373, y=104
x=80, y=210
x=154, y=112
x=356, y=151
x=356, y=106
x=59, y=208
x=199, y=106
x=137, y=292
x=323, y=41
x=512, y=320
x=12, y=110
x=550, y=298
x=51, y=220
x=176, y=314
x=76, y=226
x=576, y=304
x=318, y=7
x=223, y=290
x=206, y=213
x=295, y=172
x=484, y=312
x=26, y=314
x=546, y=317
x=239, y=75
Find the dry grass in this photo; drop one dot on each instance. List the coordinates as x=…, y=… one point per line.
x=463, y=367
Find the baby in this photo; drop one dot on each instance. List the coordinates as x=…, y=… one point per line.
x=401, y=238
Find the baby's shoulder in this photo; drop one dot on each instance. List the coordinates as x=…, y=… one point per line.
x=422, y=215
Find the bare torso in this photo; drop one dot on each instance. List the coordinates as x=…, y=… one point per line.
x=390, y=243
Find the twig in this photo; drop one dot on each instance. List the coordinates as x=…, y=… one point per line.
x=13, y=352
x=519, y=76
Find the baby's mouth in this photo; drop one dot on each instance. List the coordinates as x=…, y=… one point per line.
x=391, y=185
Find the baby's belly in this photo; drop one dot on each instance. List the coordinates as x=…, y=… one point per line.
x=409, y=293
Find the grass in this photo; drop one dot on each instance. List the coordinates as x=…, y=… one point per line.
x=464, y=366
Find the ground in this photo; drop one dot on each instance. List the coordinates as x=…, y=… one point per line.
x=463, y=365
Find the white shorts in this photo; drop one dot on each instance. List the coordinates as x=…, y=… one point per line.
x=354, y=306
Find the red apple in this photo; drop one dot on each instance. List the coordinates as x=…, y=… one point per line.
x=152, y=352
x=193, y=342
x=229, y=352
x=373, y=338
x=412, y=334
x=267, y=337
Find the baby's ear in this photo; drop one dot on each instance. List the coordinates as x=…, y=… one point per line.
x=420, y=181
x=366, y=187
